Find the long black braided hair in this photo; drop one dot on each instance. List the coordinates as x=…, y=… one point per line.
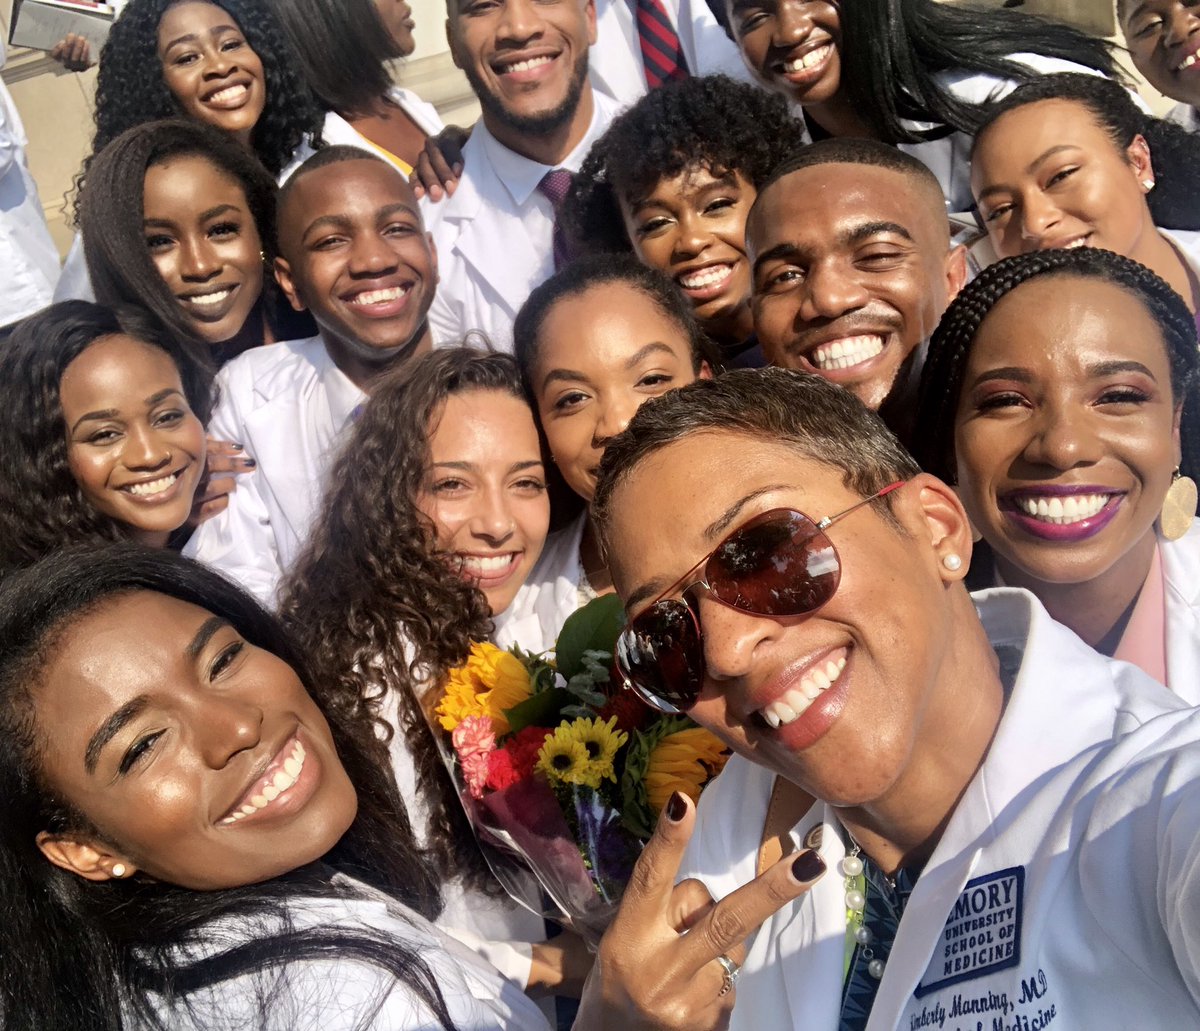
x=932, y=442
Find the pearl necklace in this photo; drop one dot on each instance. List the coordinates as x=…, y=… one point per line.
x=857, y=933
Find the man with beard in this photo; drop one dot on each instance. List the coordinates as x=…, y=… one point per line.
x=527, y=62
x=853, y=268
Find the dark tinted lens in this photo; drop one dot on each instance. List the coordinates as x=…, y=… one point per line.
x=777, y=565
x=660, y=654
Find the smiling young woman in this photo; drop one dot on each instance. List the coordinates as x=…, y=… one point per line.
x=178, y=218
x=199, y=843
x=1061, y=395
x=226, y=65
x=101, y=431
x=428, y=540
x=1072, y=161
x=673, y=180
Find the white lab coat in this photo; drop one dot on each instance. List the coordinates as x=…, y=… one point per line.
x=493, y=246
x=336, y=993
x=1181, y=589
x=1075, y=846
x=1185, y=115
x=338, y=132
x=288, y=405
x=548, y=597
x=29, y=267
x=615, y=64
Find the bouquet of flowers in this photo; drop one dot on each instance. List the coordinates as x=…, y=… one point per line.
x=561, y=771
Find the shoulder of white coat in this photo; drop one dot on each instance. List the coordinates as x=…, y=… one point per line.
x=1181, y=563
x=980, y=87
x=723, y=850
x=420, y=111
x=442, y=218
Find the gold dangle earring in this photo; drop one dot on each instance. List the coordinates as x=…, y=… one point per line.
x=1179, y=507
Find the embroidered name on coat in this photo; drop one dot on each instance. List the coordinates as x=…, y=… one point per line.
x=982, y=933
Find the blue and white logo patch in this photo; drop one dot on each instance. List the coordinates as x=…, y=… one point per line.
x=982, y=933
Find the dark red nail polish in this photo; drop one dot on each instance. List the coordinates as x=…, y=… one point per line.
x=808, y=866
x=676, y=807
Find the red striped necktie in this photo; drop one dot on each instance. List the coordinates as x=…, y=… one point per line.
x=662, y=55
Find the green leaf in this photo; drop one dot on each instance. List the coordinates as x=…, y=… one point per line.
x=592, y=628
x=543, y=709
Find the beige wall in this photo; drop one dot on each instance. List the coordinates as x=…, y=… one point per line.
x=56, y=106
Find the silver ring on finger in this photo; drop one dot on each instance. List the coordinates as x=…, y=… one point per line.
x=732, y=972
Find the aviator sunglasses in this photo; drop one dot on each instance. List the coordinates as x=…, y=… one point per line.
x=780, y=563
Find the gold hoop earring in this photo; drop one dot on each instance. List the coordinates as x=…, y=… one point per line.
x=1179, y=507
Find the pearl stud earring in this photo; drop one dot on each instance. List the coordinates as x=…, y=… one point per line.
x=118, y=870
x=952, y=562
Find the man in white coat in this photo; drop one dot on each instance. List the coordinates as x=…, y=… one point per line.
x=355, y=253
x=527, y=62
x=1007, y=824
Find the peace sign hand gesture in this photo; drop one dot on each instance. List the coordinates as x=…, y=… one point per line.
x=652, y=976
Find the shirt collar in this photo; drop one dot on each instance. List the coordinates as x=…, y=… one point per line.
x=521, y=175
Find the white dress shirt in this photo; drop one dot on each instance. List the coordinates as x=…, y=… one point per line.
x=495, y=236
x=289, y=406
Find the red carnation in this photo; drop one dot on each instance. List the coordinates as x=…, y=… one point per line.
x=631, y=712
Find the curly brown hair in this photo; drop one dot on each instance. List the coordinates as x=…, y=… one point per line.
x=375, y=607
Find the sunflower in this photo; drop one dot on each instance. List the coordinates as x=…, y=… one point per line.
x=490, y=682
x=683, y=761
x=602, y=741
x=564, y=759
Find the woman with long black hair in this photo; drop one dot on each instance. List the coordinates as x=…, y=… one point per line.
x=198, y=844
x=912, y=73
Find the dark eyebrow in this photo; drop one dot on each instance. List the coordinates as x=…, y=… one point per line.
x=1030, y=168
x=860, y=233
x=1110, y=368
x=339, y=222
x=205, y=634
x=216, y=210
x=654, y=588
x=780, y=250
x=564, y=375
x=110, y=728
x=112, y=413
x=390, y=209
x=655, y=347
x=191, y=37
x=97, y=416
x=470, y=466
x=1007, y=372
x=724, y=181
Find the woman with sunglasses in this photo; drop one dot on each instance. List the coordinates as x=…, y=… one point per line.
x=1062, y=395
x=984, y=778
x=1072, y=161
x=594, y=343
x=189, y=840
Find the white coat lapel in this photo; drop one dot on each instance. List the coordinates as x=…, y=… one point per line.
x=815, y=928
x=493, y=242
x=1181, y=586
x=289, y=439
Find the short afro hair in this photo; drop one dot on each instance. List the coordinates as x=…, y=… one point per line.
x=701, y=121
